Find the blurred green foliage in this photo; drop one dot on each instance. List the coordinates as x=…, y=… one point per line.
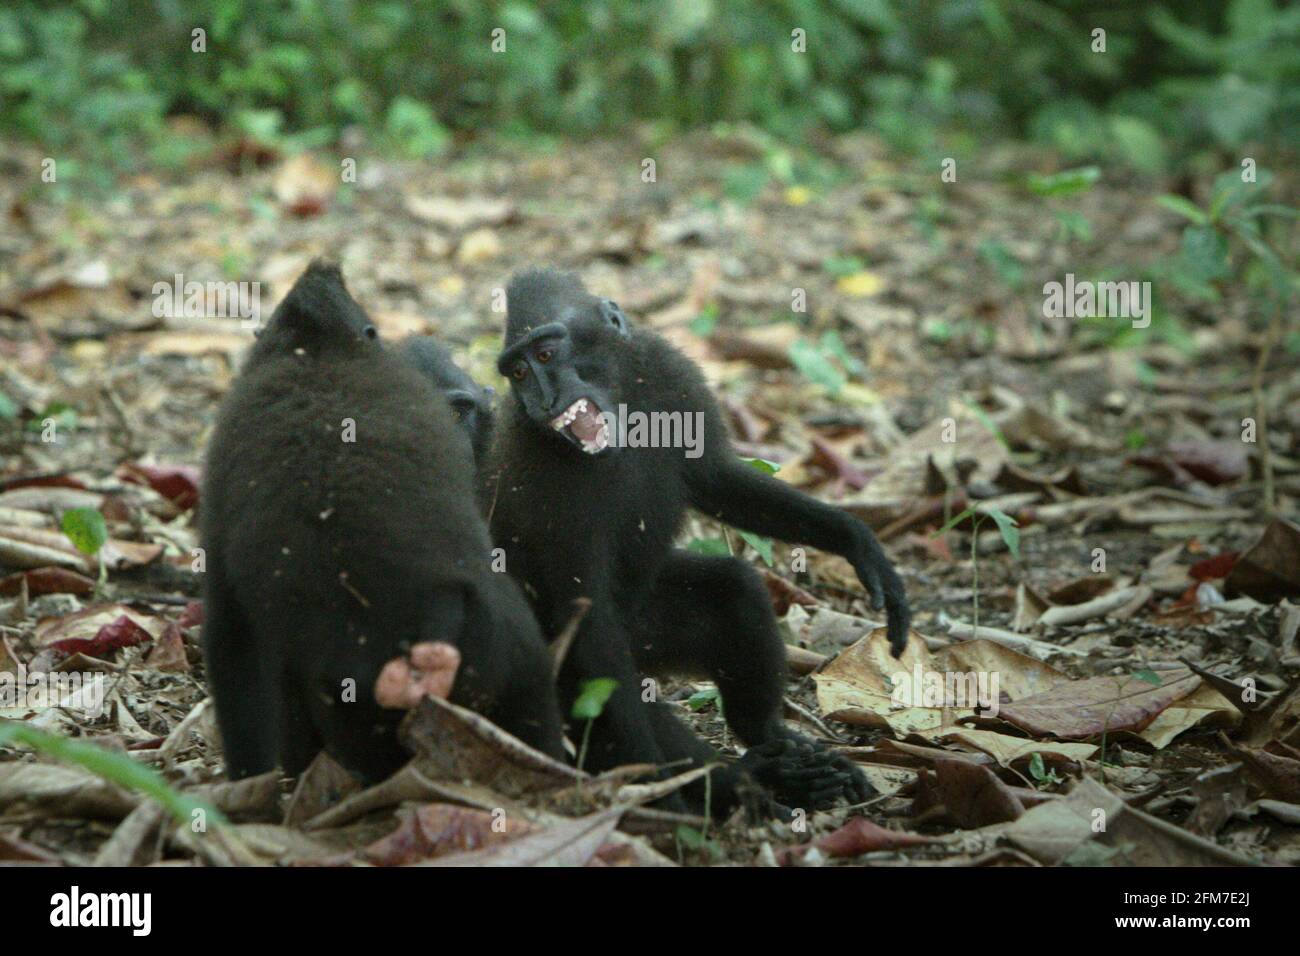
x=1176, y=74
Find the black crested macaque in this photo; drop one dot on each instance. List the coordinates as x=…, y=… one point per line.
x=471, y=402
x=578, y=515
x=330, y=555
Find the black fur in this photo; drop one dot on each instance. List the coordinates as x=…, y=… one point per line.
x=471, y=402
x=578, y=521
x=327, y=558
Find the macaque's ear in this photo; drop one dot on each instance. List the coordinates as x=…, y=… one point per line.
x=614, y=315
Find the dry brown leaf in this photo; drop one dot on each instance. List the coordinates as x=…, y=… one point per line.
x=562, y=843
x=859, y=835
x=52, y=790
x=1279, y=773
x=86, y=623
x=168, y=653
x=973, y=796
x=47, y=581
x=1006, y=749
x=455, y=744
x=322, y=785
x=1063, y=829
x=858, y=686
x=1204, y=706
x=1270, y=569
x=441, y=829
x=1078, y=710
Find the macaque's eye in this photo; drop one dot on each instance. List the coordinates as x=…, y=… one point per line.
x=544, y=355
x=370, y=332
x=520, y=372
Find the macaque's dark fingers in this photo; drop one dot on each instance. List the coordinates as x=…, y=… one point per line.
x=897, y=642
x=825, y=798
x=859, y=788
x=871, y=581
x=809, y=776
x=900, y=621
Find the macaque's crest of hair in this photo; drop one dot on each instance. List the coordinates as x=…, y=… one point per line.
x=531, y=291
x=318, y=311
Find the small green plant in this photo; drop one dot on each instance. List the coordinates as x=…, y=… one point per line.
x=1147, y=676
x=1073, y=226
x=760, y=544
x=1010, y=532
x=689, y=838
x=987, y=421
x=590, y=704
x=763, y=465
x=705, y=698
x=86, y=530
x=1041, y=774
x=713, y=547
x=1228, y=237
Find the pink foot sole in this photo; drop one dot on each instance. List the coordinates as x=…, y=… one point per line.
x=429, y=669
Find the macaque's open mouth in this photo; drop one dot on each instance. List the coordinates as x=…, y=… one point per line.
x=583, y=425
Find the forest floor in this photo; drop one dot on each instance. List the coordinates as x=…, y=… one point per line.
x=875, y=332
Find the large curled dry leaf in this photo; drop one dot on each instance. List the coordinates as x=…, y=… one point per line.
x=861, y=685
x=1007, y=750
x=1079, y=710
x=456, y=744
x=1204, y=707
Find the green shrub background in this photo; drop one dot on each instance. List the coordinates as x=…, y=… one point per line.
x=1178, y=75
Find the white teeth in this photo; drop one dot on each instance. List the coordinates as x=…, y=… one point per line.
x=599, y=443
x=569, y=415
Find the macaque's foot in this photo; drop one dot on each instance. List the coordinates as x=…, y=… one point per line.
x=430, y=669
x=801, y=773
